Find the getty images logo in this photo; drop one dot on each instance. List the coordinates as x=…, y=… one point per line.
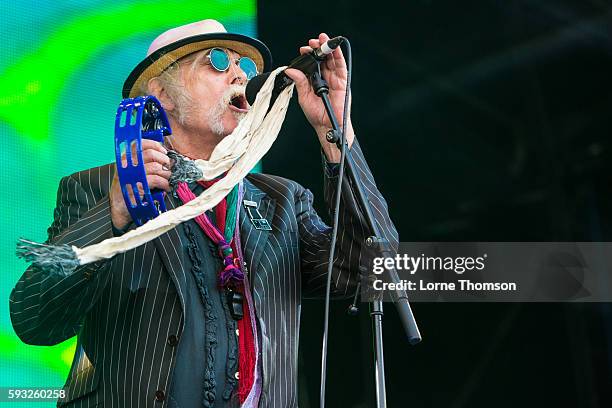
x=413, y=264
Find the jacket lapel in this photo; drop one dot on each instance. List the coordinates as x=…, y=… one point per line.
x=253, y=240
x=170, y=247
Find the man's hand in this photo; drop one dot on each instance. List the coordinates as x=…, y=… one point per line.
x=157, y=165
x=334, y=71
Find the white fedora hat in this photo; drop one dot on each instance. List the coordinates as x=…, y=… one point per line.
x=184, y=40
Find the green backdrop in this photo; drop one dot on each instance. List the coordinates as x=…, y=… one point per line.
x=62, y=65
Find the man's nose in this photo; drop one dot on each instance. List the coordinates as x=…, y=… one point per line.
x=238, y=75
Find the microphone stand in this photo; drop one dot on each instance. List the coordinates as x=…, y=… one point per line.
x=375, y=241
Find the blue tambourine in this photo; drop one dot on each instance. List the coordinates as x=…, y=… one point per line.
x=138, y=118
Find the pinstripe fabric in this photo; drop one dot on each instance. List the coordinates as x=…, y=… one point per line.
x=126, y=310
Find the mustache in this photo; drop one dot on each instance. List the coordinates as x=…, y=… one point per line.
x=231, y=92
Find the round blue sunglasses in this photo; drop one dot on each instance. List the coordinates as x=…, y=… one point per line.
x=220, y=60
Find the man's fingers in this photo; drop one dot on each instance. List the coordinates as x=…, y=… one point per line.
x=150, y=155
x=157, y=169
x=159, y=182
x=154, y=181
x=338, y=58
x=305, y=50
x=152, y=151
x=314, y=43
x=301, y=82
x=149, y=144
x=152, y=144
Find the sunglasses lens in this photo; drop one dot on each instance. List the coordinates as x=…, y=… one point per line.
x=248, y=66
x=219, y=59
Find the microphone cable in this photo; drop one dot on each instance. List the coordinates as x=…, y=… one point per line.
x=334, y=237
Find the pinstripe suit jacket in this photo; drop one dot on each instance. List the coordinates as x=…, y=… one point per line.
x=128, y=311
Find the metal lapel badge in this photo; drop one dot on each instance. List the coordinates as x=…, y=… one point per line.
x=259, y=222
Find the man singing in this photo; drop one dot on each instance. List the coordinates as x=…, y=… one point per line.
x=163, y=325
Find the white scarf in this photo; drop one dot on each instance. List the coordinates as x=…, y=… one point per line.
x=237, y=154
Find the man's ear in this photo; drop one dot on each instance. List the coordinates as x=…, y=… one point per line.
x=157, y=90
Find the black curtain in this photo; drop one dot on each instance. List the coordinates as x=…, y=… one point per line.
x=482, y=121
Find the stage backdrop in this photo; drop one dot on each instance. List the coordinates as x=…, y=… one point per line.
x=62, y=66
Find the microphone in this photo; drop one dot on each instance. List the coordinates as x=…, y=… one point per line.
x=306, y=63
x=327, y=47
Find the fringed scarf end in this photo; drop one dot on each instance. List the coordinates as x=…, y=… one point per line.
x=57, y=259
x=183, y=170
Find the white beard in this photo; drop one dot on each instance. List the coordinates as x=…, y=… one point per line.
x=215, y=118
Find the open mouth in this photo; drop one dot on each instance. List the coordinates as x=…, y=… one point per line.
x=239, y=103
